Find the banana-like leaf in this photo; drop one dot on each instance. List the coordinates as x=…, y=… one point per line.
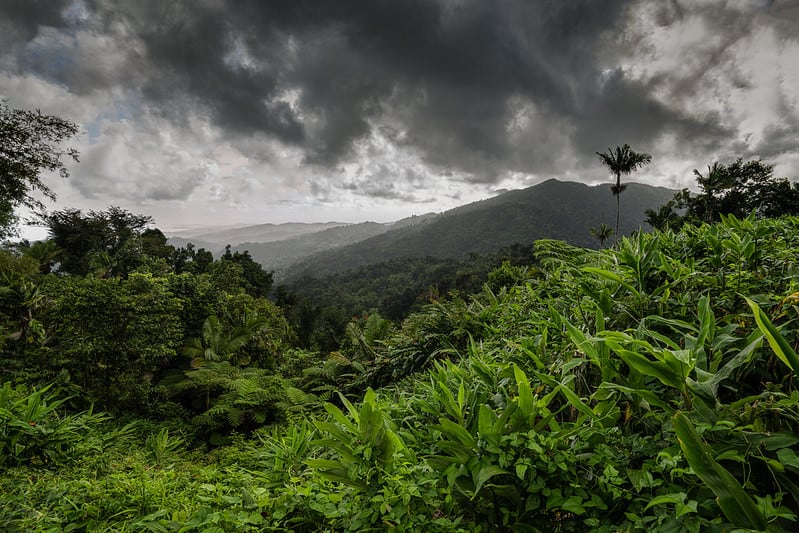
x=339, y=417
x=525, y=399
x=612, y=276
x=575, y=401
x=735, y=503
x=658, y=369
x=648, y=396
x=777, y=342
x=457, y=432
x=483, y=475
x=486, y=422
x=741, y=358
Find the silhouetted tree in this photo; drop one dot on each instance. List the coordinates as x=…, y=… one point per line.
x=109, y=240
x=623, y=161
x=602, y=233
x=29, y=146
x=664, y=217
x=153, y=243
x=738, y=189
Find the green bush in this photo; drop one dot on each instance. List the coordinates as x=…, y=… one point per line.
x=34, y=432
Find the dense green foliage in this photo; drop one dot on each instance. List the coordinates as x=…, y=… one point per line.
x=396, y=286
x=649, y=386
x=109, y=311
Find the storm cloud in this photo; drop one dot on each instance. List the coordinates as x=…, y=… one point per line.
x=404, y=100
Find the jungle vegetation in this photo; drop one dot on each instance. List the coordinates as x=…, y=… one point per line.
x=650, y=385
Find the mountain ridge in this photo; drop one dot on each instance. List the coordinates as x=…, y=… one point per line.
x=552, y=209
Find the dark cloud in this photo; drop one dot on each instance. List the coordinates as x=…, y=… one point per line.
x=21, y=20
x=347, y=59
x=624, y=110
x=448, y=78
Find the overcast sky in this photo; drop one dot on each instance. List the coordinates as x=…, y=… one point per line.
x=249, y=111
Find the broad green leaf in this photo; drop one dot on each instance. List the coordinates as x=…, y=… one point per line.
x=486, y=421
x=336, y=474
x=573, y=504
x=674, y=497
x=777, y=342
x=333, y=430
x=483, y=475
x=707, y=329
x=525, y=398
x=788, y=458
x=657, y=369
x=581, y=341
x=612, y=276
x=350, y=408
x=734, y=502
x=741, y=358
x=772, y=441
x=344, y=450
x=456, y=432
x=340, y=417
x=575, y=401
x=445, y=396
x=642, y=479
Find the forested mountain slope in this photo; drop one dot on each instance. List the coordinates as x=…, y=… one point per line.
x=277, y=255
x=550, y=210
x=216, y=239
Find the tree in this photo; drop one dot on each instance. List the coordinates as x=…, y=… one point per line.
x=28, y=147
x=664, y=217
x=43, y=252
x=109, y=241
x=258, y=281
x=221, y=344
x=113, y=336
x=623, y=161
x=602, y=233
x=738, y=189
x=154, y=244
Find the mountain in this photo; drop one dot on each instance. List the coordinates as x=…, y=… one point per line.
x=216, y=240
x=550, y=210
x=278, y=255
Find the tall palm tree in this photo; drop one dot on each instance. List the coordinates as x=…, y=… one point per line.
x=622, y=161
x=602, y=233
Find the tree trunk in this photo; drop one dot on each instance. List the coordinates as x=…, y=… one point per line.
x=618, y=205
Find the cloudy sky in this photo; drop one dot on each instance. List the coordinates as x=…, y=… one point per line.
x=248, y=111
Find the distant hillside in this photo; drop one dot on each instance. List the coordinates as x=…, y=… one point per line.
x=258, y=233
x=278, y=255
x=551, y=210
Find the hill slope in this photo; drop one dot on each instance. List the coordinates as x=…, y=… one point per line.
x=278, y=255
x=550, y=210
x=215, y=240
